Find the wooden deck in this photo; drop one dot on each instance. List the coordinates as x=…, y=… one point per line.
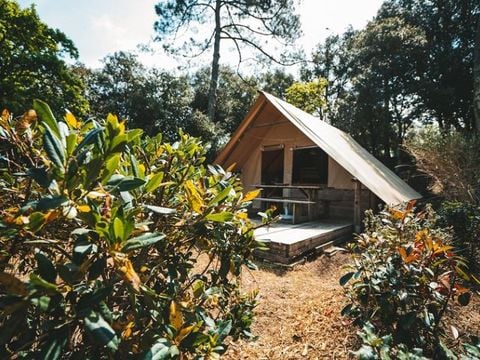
x=288, y=243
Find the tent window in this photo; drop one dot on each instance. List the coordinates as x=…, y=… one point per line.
x=310, y=166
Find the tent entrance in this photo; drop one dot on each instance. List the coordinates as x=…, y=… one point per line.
x=272, y=165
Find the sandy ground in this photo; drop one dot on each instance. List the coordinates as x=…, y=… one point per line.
x=298, y=316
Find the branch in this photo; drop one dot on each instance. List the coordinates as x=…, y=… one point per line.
x=236, y=26
x=203, y=49
x=259, y=49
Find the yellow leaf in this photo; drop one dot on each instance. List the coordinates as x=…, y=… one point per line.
x=51, y=215
x=125, y=267
x=231, y=167
x=121, y=127
x=26, y=120
x=251, y=195
x=96, y=194
x=412, y=257
x=421, y=234
x=71, y=120
x=113, y=120
x=397, y=214
x=13, y=285
x=193, y=197
x=127, y=331
x=5, y=115
x=176, y=317
x=443, y=249
x=184, y=333
x=242, y=215
x=84, y=208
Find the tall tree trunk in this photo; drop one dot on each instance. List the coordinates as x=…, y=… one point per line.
x=476, y=78
x=212, y=91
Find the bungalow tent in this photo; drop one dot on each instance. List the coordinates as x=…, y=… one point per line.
x=281, y=149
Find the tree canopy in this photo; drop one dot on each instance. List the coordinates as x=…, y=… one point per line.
x=246, y=24
x=412, y=64
x=32, y=62
x=151, y=99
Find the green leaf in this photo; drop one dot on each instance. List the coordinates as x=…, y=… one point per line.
x=40, y=175
x=50, y=202
x=90, y=138
x=45, y=267
x=54, y=148
x=39, y=282
x=365, y=353
x=89, y=300
x=110, y=166
x=464, y=299
x=46, y=116
x=160, y=209
x=118, y=229
x=71, y=141
x=223, y=329
x=124, y=183
x=220, y=217
x=118, y=143
x=346, y=278
x=142, y=241
x=159, y=351
x=53, y=347
x=101, y=331
x=154, y=182
x=69, y=272
x=347, y=310
x=42, y=302
x=36, y=221
x=130, y=184
x=222, y=195
x=134, y=134
x=81, y=249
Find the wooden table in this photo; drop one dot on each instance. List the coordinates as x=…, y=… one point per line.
x=310, y=192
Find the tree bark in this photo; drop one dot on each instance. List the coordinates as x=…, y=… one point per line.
x=212, y=91
x=476, y=78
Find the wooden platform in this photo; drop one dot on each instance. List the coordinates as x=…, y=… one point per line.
x=287, y=243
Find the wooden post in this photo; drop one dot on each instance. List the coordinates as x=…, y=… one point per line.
x=357, y=207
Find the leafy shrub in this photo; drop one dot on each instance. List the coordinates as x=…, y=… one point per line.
x=117, y=246
x=450, y=160
x=403, y=279
x=464, y=219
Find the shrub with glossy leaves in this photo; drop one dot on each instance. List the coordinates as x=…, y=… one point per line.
x=117, y=246
x=464, y=219
x=403, y=279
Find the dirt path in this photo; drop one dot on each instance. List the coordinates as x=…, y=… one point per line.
x=298, y=315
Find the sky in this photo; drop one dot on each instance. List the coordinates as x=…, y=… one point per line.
x=101, y=27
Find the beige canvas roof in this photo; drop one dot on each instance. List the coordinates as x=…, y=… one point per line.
x=337, y=144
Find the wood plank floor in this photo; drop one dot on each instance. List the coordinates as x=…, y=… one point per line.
x=287, y=242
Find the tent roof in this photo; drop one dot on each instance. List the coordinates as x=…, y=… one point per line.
x=337, y=144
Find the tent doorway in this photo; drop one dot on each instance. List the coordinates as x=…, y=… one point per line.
x=272, y=166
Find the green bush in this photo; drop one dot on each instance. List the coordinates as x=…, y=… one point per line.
x=403, y=279
x=115, y=246
x=464, y=219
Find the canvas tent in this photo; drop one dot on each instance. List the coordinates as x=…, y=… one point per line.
x=275, y=125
